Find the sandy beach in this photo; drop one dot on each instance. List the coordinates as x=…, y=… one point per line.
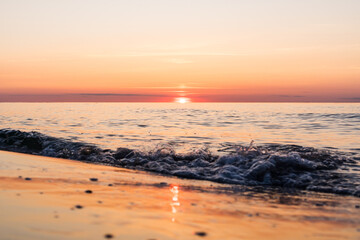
x=49, y=198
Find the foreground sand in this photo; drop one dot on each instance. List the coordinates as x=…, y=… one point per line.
x=128, y=204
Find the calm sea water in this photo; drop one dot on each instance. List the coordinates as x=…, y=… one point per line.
x=191, y=125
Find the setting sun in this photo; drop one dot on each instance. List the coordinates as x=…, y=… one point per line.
x=182, y=100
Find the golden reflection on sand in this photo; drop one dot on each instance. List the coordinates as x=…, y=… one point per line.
x=130, y=205
x=175, y=200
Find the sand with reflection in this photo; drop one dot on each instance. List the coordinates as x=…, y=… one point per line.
x=136, y=205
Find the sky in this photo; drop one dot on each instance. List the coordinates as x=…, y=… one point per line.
x=161, y=50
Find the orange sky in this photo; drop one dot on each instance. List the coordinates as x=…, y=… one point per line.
x=159, y=50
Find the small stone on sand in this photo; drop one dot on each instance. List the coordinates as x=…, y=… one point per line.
x=28, y=179
x=78, y=206
x=108, y=235
x=93, y=179
x=88, y=191
x=201, y=234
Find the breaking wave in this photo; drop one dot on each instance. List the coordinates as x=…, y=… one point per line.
x=288, y=166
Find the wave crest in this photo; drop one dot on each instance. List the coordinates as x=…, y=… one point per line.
x=289, y=166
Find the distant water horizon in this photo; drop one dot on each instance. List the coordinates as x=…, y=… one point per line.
x=353, y=100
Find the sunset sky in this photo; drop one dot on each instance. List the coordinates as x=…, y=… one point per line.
x=159, y=50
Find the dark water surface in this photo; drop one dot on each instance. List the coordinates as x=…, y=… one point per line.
x=191, y=125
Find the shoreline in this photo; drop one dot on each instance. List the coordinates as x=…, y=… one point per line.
x=276, y=165
x=49, y=201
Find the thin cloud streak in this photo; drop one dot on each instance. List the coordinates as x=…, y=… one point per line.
x=86, y=97
x=167, y=54
x=119, y=94
x=263, y=51
x=178, y=61
x=351, y=98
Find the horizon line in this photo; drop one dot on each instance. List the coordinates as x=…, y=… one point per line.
x=180, y=103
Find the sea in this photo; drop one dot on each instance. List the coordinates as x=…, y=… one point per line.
x=281, y=144
x=137, y=125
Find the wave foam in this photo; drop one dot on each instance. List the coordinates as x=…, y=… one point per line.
x=289, y=166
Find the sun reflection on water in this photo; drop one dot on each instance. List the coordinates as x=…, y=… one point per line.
x=175, y=200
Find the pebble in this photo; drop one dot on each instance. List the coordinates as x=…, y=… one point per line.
x=110, y=185
x=28, y=179
x=109, y=235
x=78, y=206
x=93, y=179
x=88, y=191
x=201, y=234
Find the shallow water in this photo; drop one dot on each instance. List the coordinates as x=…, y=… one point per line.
x=200, y=141
x=191, y=125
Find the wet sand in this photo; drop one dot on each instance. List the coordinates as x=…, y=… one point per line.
x=49, y=198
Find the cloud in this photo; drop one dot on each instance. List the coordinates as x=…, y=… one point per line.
x=177, y=53
x=351, y=98
x=83, y=97
x=119, y=94
x=93, y=94
x=288, y=96
x=167, y=54
x=178, y=61
x=354, y=67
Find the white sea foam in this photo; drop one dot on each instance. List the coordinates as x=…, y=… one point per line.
x=289, y=166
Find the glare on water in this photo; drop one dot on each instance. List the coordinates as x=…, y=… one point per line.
x=139, y=125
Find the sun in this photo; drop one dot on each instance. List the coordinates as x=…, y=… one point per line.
x=182, y=100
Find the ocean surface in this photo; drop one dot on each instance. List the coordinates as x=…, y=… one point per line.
x=143, y=125
x=309, y=146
